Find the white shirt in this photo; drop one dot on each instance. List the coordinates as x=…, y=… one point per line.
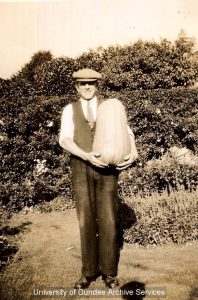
x=67, y=124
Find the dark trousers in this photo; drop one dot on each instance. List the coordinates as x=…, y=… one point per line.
x=95, y=192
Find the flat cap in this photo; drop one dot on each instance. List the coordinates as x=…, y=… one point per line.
x=86, y=75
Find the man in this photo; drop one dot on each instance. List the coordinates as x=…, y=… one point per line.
x=94, y=183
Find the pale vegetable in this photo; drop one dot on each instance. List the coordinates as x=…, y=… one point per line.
x=111, y=137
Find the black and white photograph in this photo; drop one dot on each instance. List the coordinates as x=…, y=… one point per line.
x=99, y=149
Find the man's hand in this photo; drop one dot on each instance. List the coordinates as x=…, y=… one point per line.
x=128, y=160
x=93, y=159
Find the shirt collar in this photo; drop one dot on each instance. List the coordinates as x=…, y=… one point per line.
x=93, y=100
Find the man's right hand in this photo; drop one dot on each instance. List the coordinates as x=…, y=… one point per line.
x=93, y=159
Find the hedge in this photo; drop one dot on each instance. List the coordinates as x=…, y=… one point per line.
x=138, y=65
x=35, y=168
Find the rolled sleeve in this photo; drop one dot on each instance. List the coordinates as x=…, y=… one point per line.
x=67, y=125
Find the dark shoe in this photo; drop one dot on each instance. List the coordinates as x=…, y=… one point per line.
x=110, y=281
x=83, y=282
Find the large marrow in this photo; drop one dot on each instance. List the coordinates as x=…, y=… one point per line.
x=111, y=137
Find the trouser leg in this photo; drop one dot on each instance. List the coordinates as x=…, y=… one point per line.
x=83, y=184
x=106, y=202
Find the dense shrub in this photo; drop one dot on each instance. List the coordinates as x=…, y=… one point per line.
x=162, y=218
x=93, y=59
x=172, y=171
x=141, y=65
x=17, y=87
x=35, y=168
x=161, y=118
x=4, y=84
x=55, y=77
x=31, y=69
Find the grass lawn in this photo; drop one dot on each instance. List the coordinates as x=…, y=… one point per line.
x=49, y=257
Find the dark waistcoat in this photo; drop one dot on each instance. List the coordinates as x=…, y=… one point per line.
x=83, y=134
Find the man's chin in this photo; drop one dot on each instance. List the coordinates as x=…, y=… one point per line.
x=88, y=97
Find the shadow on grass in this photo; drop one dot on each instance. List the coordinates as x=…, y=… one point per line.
x=125, y=219
x=133, y=290
x=7, y=230
x=7, y=248
x=194, y=294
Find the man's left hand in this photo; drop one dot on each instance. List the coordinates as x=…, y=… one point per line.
x=128, y=160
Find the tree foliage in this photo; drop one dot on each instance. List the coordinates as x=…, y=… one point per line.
x=55, y=77
x=35, y=167
x=139, y=65
x=145, y=76
x=31, y=69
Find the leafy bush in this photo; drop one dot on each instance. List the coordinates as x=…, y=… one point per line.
x=35, y=168
x=176, y=169
x=163, y=218
x=16, y=87
x=55, y=77
x=141, y=65
x=160, y=119
x=32, y=68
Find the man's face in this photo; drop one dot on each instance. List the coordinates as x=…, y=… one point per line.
x=87, y=89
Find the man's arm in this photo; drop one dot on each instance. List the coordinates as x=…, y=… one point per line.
x=67, y=133
x=69, y=145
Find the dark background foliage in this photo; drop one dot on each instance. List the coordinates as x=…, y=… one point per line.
x=153, y=81
x=141, y=65
x=159, y=118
